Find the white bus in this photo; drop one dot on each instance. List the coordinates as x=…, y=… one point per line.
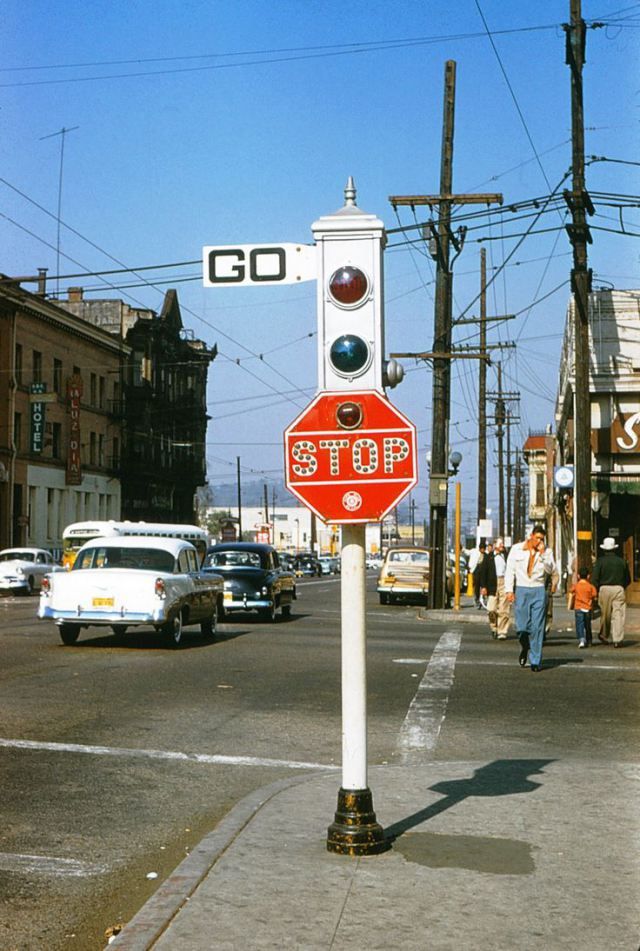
x=76, y=534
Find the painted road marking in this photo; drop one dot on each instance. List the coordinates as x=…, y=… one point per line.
x=215, y=760
x=421, y=728
x=48, y=865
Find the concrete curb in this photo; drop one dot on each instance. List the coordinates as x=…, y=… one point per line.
x=148, y=924
x=464, y=616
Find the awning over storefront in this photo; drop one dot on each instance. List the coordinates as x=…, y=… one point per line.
x=617, y=483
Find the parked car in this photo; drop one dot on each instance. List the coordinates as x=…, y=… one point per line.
x=307, y=565
x=374, y=561
x=287, y=561
x=22, y=569
x=326, y=565
x=132, y=582
x=254, y=579
x=404, y=575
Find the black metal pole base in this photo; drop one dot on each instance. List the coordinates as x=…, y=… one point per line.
x=355, y=830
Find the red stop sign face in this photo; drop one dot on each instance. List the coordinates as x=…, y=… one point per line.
x=356, y=474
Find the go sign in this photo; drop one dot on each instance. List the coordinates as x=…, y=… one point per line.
x=261, y=264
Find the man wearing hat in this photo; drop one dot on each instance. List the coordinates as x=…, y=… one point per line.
x=610, y=577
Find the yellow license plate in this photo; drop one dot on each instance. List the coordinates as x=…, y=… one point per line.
x=228, y=596
x=103, y=602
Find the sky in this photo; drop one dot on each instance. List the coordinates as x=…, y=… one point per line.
x=212, y=122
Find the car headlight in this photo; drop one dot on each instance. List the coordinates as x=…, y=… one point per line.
x=264, y=592
x=20, y=572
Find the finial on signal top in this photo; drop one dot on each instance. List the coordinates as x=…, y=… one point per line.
x=350, y=192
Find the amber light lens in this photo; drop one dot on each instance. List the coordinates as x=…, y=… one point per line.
x=348, y=285
x=349, y=415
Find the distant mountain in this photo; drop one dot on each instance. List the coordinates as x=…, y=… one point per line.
x=226, y=495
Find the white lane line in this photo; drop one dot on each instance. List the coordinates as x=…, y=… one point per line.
x=48, y=865
x=421, y=728
x=216, y=760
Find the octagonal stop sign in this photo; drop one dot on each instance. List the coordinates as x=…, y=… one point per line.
x=355, y=472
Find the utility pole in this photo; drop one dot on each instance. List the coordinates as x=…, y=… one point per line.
x=482, y=393
x=509, y=522
x=503, y=419
x=579, y=203
x=239, y=499
x=442, y=334
x=500, y=417
x=518, y=527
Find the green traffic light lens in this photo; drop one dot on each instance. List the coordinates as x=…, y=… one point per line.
x=349, y=354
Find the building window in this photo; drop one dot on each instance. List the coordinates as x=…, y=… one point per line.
x=57, y=376
x=93, y=384
x=18, y=364
x=100, y=449
x=115, y=461
x=540, y=493
x=102, y=383
x=56, y=440
x=37, y=366
x=92, y=449
x=17, y=431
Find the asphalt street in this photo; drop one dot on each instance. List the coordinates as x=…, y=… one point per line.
x=118, y=758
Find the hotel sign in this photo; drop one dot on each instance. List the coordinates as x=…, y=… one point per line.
x=37, y=390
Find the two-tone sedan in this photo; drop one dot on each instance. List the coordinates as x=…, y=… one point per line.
x=254, y=579
x=132, y=582
x=22, y=569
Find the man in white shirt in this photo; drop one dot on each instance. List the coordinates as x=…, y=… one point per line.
x=528, y=564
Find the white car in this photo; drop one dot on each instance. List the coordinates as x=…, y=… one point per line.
x=132, y=582
x=22, y=569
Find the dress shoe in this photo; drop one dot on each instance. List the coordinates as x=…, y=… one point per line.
x=602, y=639
x=522, y=659
x=618, y=643
x=535, y=668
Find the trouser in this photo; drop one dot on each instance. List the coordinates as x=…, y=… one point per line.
x=500, y=611
x=613, y=607
x=583, y=626
x=530, y=614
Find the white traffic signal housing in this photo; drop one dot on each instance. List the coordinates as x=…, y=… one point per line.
x=350, y=243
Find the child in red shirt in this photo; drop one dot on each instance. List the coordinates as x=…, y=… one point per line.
x=584, y=594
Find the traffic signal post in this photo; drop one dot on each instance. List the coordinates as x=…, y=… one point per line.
x=350, y=456
x=379, y=446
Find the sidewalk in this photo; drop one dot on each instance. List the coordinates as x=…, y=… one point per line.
x=487, y=856
x=508, y=855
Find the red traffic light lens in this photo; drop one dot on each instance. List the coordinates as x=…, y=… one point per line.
x=348, y=286
x=349, y=415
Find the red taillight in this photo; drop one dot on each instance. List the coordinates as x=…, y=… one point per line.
x=160, y=588
x=45, y=585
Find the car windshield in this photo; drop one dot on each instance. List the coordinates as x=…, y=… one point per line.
x=409, y=557
x=232, y=559
x=17, y=556
x=138, y=559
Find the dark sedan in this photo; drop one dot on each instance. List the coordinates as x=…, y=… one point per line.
x=254, y=579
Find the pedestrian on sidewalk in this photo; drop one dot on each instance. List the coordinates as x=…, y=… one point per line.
x=528, y=564
x=611, y=577
x=491, y=579
x=584, y=594
x=476, y=557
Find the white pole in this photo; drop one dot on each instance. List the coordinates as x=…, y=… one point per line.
x=354, y=662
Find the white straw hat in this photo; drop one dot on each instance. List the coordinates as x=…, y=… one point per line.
x=609, y=544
